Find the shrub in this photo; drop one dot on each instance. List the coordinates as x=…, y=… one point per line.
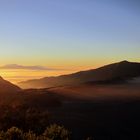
x=56, y=132
x=30, y=136
x=14, y=134
x=27, y=119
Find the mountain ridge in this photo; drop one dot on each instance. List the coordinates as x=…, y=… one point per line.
x=119, y=70
x=8, y=87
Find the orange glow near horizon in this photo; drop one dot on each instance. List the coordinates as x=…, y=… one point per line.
x=67, y=36
x=18, y=75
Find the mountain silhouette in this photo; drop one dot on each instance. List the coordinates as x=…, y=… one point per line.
x=7, y=87
x=12, y=95
x=120, y=71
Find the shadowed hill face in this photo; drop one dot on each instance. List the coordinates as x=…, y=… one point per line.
x=12, y=95
x=8, y=92
x=7, y=87
x=122, y=70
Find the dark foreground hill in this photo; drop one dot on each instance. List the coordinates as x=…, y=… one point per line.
x=12, y=95
x=121, y=71
x=104, y=112
x=7, y=87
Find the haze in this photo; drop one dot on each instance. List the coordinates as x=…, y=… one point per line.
x=66, y=36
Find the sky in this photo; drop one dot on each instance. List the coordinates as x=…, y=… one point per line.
x=52, y=37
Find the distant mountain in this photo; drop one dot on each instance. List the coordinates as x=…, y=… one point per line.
x=114, y=72
x=7, y=87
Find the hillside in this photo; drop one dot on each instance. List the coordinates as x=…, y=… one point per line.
x=7, y=87
x=123, y=70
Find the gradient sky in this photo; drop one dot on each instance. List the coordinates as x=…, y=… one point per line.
x=67, y=35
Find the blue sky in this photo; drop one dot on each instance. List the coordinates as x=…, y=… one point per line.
x=69, y=33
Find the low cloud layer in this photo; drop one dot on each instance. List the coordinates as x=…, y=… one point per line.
x=16, y=66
